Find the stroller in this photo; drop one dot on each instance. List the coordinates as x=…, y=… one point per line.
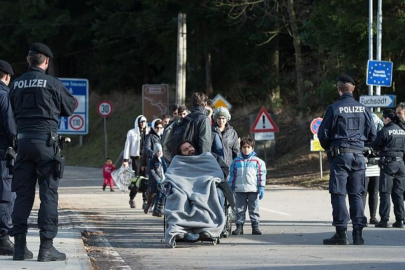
x=198, y=201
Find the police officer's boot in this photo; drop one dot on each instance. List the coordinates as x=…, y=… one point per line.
x=47, y=252
x=238, y=230
x=398, y=224
x=357, y=236
x=339, y=238
x=6, y=246
x=256, y=230
x=21, y=251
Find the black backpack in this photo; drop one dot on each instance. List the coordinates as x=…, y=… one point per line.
x=182, y=131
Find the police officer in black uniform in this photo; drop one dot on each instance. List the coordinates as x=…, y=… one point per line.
x=7, y=132
x=37, y=100
x=346, y=126
x=391, y=144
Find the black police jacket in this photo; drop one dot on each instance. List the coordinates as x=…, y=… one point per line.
x=390, y=141
x=8, y=127
x=37, y=100
x=347, y=124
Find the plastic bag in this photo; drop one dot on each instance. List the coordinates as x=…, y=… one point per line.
x=122, y=177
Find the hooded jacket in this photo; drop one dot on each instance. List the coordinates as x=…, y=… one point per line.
x=133, y=142
x=247, y=174
x=150, y=141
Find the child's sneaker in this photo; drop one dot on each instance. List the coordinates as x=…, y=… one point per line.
x=111, y=190
x=103, y=188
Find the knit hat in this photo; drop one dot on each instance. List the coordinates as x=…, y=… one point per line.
x=222, y=111
x=157, y=147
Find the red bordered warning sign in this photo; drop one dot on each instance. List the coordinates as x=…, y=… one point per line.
x=264, y=123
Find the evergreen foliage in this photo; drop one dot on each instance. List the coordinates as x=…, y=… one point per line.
x=120, y=45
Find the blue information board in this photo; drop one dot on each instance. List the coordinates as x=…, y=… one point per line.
x=379, y=73
x=78, y=122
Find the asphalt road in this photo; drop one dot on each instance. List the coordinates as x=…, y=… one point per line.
x=294, y=223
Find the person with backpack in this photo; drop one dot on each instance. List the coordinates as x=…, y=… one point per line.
x=195, y=127
x=225, y=137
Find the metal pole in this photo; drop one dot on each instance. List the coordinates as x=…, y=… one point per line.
x=105, y=136
x=370, y=39
x=320, y=163
x=184, y=36
x=179, y=55
x=181, y=59
x=379, y=44
x=81, y=140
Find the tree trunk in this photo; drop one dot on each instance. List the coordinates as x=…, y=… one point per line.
x=208, y=81
x=298, y=54
x=275, y=92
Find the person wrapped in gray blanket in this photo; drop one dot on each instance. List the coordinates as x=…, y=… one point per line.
x=195, y=205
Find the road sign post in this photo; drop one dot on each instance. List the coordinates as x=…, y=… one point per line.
x=155, y=100
x=263, y=128
x=263, y=123
x=78, y=122
x=379, y=101
x=220, y=101
x=104, y=109
x=379, y=73
x=315, y=144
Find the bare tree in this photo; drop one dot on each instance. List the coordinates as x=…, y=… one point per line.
x=283, y=15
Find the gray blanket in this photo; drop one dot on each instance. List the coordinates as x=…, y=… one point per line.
x=193, y=205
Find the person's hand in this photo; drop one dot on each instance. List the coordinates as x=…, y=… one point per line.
x=125, y=164
x=143, y=168
x=261, y=193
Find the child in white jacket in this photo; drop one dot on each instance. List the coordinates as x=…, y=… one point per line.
x=247, y=180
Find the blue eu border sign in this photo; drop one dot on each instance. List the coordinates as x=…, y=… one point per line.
x=379, y=73
x=78, y=122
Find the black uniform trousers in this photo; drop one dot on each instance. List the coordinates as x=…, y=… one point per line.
x=347, y=176
x=392, y=185
x=6, y=197
x=35, y=162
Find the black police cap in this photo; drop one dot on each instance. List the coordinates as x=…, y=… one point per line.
x=389, y=113
x=346, y=79
x=42, y=49
x=6, y=67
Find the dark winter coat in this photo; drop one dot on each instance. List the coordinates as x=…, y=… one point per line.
x=230, y=143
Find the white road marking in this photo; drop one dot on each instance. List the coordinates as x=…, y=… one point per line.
x=274, y=211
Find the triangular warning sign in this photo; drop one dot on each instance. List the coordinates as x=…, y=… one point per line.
x=263, y=123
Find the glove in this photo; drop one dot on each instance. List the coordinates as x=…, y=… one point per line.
x=261, y=193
